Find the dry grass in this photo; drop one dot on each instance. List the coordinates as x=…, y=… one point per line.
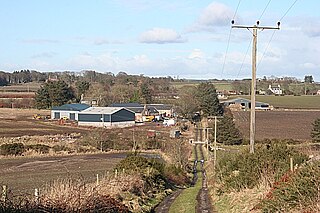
x=244, y=201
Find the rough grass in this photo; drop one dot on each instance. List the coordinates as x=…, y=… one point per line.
x=244, y=201
x=187, y=200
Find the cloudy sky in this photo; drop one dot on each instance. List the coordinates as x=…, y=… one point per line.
x=178, y=38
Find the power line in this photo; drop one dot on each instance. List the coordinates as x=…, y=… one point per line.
x=264, y=10
x=267, y=47
x=235, y=13
x=288, y=10
x=225, y=55
x=229, y=37
x=244, y=58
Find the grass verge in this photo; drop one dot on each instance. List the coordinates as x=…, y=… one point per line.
x=187, y=200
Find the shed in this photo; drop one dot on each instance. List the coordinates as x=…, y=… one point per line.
x=106, y=117
x=68, y=111
x=242, y=103
x=140, y=110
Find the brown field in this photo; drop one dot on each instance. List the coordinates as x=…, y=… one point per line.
x=19, y=122
x=17, y=95
x=23, y=175
x=278, y=124
x=24, y=87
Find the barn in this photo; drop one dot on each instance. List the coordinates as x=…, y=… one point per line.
x=68, y=111
x=106, y=117
x=139, y=109
x=242, y=103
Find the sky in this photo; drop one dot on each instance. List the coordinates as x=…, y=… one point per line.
x=190, y=39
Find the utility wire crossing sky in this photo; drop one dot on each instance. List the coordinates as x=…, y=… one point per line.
x=178, y=38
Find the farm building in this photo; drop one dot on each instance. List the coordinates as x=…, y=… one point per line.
x=106, y=117
x=242, y=103
x=68, y=111
x=166, y=110
x=139, y=110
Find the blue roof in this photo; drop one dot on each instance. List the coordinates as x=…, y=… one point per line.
x=71, y=107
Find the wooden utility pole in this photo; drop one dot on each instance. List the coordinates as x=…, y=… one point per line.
x=215, y=143
x=254, y=76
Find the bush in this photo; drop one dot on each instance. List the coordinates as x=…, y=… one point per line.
x=40, y=148
x=245, y=170
x=12, y=149
x=315, y=133
x=176, y=175
x=151, y=170
x=298, y=190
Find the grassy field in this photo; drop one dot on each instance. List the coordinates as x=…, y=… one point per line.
x=218, y=85
x=290, y=102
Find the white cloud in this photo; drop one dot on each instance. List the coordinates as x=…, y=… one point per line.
x=196, y=53
x=44, y=55
x=214, y=15
x=100, y=41
x=161, y=36
x=309, y=65
x=40, y=41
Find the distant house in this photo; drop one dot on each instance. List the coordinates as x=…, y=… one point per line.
x=166, y=110
x=106, y=117
x=242, y=104
x=275, y=89
x=68, y=111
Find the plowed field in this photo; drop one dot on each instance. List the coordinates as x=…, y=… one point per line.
x=278, y=124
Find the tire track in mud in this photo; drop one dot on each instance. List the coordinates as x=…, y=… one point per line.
x=165, y=205
x=204, y=204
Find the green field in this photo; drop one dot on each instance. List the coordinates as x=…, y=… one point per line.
x=290, y=102
x=218, y=85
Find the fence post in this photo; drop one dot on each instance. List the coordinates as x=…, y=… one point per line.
x=116, y=173
x=36, y=195
x=97, y=179
x=4, y=194
x=291, y=164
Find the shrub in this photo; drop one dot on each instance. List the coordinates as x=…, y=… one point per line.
x=315, y=133
x=151, y=170
x=245, y=170
x=176, y=175
x=40, y=148
x=299, y=190
x=12, y=149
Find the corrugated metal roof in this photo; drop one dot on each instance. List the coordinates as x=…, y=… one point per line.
x=241, y=100
x=161, y=106
x=126, y=105
x=71, y=107
x=102, y=110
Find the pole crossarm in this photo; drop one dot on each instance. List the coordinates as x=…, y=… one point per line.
x=256, y=27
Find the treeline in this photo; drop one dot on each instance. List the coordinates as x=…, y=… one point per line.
x=22, y=76
x=103, y=88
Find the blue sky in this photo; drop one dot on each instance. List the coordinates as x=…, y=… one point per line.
x=184, y=38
